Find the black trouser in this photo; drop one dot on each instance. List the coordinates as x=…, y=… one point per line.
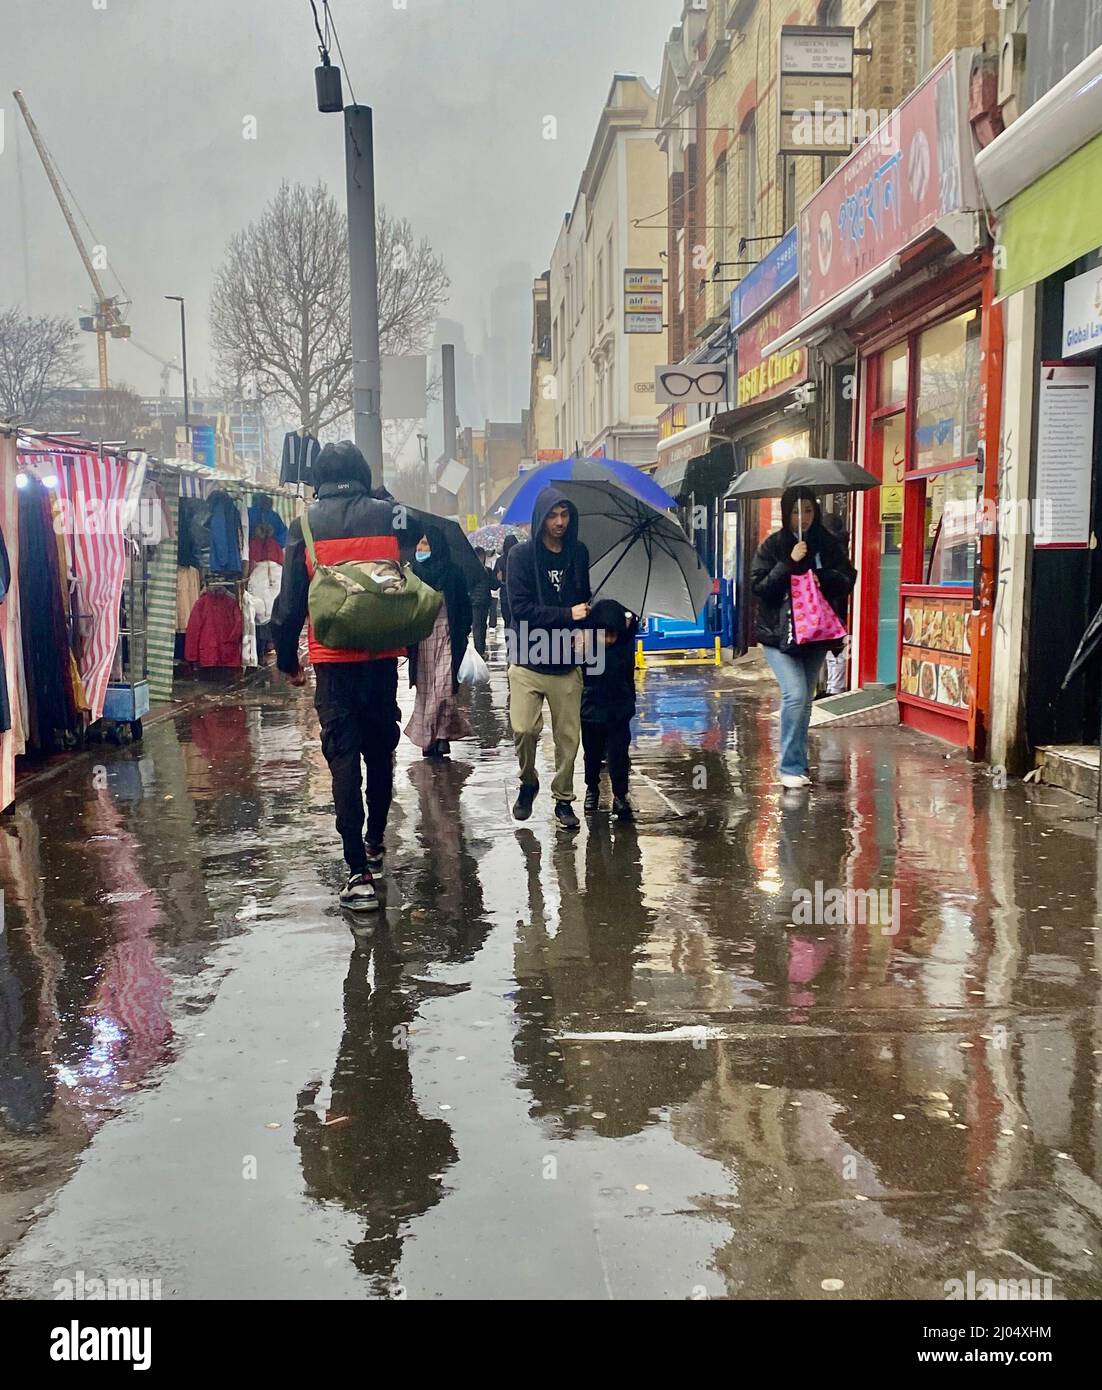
x=607, y=742
x=480, y=614
x=357, y=704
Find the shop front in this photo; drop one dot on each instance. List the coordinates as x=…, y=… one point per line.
x=772, y=418
x=894, y=262
x=1043, y=177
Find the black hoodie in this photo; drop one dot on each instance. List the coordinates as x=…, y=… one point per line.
x=534, y=598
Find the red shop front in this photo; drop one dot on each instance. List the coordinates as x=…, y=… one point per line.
x=895, y=264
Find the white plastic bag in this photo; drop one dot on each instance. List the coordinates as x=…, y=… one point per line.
x=473, y=670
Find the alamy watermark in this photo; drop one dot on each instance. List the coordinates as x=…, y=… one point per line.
x=82, y=1288
x=973, y=1290
x=556, y=646
x=847, y=907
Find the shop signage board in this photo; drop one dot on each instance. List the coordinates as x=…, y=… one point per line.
x=547, y=456
x=1083, y=313
x=914, y=170
x=816, y=90
x=644, y=301
x=769, y=278
x=763, y=378
x=1065, y=454
x=702, y=383
x=202, y=445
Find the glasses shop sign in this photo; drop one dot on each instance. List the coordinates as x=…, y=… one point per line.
x=703, y=383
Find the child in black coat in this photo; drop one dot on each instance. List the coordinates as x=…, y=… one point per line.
x=608, y=706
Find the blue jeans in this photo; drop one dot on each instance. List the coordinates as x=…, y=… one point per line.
x=798, y=676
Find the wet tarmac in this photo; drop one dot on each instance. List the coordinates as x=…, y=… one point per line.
x=669, y=1060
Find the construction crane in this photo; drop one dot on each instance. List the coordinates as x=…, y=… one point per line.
x=167, y=367
x=109, y=313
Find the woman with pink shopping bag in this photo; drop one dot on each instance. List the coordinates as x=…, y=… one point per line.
x=802, y=579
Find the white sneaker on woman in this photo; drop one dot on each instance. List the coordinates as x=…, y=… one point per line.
x=793, y=783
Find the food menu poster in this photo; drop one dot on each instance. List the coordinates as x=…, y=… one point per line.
x=936, y=651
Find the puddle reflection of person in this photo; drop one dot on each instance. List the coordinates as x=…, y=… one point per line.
x=373, y=1151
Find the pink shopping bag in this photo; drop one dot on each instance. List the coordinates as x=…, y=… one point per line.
x=813, y=619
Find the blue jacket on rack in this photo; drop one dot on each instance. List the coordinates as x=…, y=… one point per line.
x=225, y=534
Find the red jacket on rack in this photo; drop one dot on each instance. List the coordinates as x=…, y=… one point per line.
x=214, y=630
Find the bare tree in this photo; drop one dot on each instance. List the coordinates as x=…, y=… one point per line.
x=281, y=299
x=38, y=357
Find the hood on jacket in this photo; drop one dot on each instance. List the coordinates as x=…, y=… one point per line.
x=341, y=463
x=790, y=497
x=551, y=497
x=610, y=614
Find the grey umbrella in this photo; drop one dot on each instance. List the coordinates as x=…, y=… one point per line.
x=637, y=554
x=828, y=475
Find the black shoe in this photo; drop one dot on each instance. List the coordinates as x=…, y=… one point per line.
x=376, y=858
x=592, y=801
x=522, y=807
x=564, y=814
x=622, y=809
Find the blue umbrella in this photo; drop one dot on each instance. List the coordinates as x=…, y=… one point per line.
x=514, y=506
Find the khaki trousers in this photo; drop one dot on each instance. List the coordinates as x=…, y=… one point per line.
x=527, y=692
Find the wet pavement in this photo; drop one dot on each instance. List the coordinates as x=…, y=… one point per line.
x=660, y=1061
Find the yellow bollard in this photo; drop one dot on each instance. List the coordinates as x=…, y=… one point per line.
x=640, y=659
x=719, y=651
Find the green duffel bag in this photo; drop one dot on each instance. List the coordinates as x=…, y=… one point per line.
x=368, y=605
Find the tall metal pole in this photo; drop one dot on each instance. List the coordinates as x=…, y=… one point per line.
x=451, y=419
x=183, y=352
x=359, y=146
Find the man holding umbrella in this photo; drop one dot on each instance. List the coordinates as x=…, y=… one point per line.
x=549, y=594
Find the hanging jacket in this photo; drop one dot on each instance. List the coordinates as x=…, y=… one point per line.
x=262, y=513
x=300, y=453
x=214, y=630
x=264, y=585
x=263, y=548
x=226, y=539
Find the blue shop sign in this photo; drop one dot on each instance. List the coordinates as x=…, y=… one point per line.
x=202, y=445
x=766, y=281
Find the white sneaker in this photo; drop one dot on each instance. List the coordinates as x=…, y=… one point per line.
x=358, y=894
x=793, y=783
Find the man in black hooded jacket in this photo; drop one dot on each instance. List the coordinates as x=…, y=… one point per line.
x=549, y=594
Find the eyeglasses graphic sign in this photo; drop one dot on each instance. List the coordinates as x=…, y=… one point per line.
x=701, y=384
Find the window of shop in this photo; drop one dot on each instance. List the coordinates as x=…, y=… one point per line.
x=922, y=541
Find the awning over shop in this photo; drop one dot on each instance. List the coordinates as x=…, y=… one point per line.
x=1042, y=176
x=706, y=475
x=1054, y=222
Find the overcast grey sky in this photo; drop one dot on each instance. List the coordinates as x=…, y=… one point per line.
x=142, y=105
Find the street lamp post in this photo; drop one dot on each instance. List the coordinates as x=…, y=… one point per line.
x=423, y=446
x=179, y=298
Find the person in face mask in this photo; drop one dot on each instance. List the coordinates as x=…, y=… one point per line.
x=434, y=662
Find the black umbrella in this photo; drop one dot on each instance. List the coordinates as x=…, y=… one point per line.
x=460, y=550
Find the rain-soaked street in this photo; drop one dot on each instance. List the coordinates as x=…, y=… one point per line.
x=636, y=1062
